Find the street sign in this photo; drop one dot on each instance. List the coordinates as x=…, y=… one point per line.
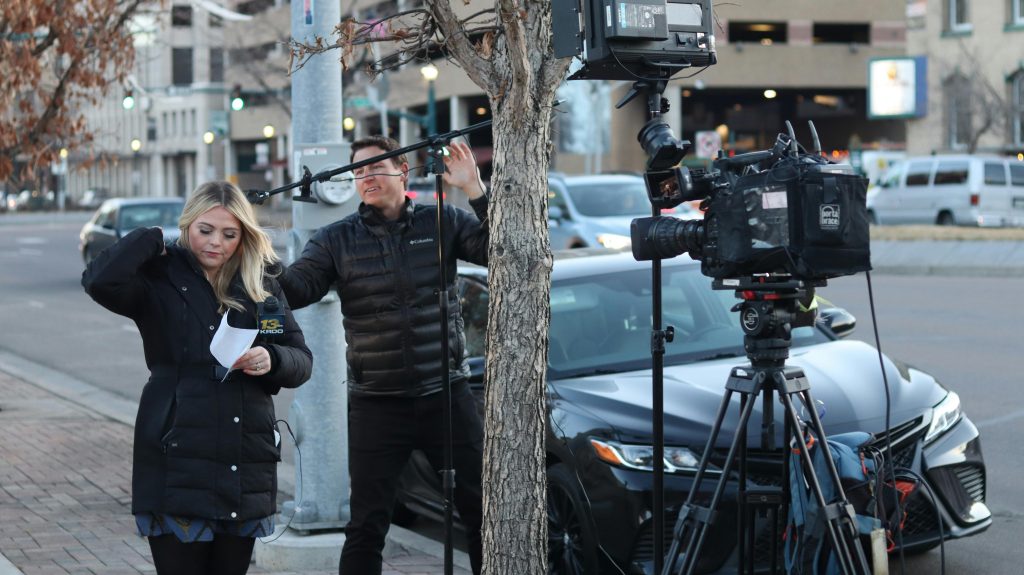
x=219, y=122
x=708, y=144
x=359, y=102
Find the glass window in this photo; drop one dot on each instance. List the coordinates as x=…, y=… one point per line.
x=765, y=33
x=951, y=173
x=473, y=300
x=181, y=66
x=1017, y=174
x=617, y=199
x=556, y=200
x=216, y=65
x=1018, y=12
x=181, y=16
x=959, y=15
x=163, y=215
x=918, y=173
x=995, y=173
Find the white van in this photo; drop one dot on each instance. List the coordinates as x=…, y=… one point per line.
x=950, y=190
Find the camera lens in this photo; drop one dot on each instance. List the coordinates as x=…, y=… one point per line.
x=663, y=149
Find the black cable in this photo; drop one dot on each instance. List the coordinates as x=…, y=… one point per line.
x=888, y=415
x=938, y=517
x=298, y=498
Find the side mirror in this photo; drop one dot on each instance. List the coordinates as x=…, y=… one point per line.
x=839, y=321
x=555, y=214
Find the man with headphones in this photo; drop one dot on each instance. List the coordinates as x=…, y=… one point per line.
x=383, y=262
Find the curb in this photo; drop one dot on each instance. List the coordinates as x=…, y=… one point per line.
x=8, y=568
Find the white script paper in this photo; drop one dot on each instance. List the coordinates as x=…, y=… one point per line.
x=229, y=343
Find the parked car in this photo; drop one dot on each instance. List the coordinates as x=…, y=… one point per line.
x=960, y=189
x=118, y=216
x=34, y=201
x=599, y=437
x=596, y=211
x=92, y=198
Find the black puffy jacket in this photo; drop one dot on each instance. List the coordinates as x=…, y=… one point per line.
x=386, y=274
x=203, y=448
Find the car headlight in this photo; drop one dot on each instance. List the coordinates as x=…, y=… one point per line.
x=642, y=456
x=944, y=416
x=614, y=241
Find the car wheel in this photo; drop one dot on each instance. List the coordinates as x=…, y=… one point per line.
x=945, y=219
x=572, y=548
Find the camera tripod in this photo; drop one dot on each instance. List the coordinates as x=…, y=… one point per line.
x=767, y=312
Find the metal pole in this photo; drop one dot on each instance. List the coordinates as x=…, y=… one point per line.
x=319, y=411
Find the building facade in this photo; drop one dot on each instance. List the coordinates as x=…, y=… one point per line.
x=192, y=59
x=974, y=52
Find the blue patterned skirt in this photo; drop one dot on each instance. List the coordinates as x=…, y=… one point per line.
x=193, y=529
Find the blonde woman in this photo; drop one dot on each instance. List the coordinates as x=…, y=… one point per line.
x=204, y=478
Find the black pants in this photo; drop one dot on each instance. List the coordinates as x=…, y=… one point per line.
x=225, y=555
x=382, y=432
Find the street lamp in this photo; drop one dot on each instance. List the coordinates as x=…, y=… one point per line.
x=208, y=137
x=268, y=131
x=430, y=74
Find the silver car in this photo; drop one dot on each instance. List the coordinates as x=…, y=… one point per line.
x=595, y=211
x=118, y=216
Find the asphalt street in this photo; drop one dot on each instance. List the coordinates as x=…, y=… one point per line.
x=960, y=328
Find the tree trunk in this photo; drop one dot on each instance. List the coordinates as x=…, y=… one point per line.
x=514, y=479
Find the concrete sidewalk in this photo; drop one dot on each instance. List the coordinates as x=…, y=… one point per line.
x=65, y=475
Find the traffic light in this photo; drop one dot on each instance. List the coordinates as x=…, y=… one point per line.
x=237, y=101
x=129, y=99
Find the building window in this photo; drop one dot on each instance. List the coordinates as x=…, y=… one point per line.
x=181, y=66
x=253, y=7
x=1017, y=87
x=216, y=65
x=766, y=33
x=957, y=92
x=1017, y=12
x=216, y=21
x=181, y=16
x=841, y=33
x=959, y=15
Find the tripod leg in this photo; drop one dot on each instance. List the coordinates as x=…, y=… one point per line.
x=838, y=516
x=704, y=516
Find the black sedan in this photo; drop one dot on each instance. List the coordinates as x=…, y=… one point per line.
x=599, y=443
x=118, y=216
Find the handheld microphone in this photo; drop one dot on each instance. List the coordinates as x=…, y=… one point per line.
x=271, y=318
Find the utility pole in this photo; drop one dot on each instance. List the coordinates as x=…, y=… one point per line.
x=319, y=411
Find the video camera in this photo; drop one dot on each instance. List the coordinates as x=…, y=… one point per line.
x=782, y=210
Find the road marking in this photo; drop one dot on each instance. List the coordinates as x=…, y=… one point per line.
x=130, y=327
x=29, y=252
x=31, y=241
x=36, y=304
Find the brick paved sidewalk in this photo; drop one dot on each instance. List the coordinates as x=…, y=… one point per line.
x=65, y=475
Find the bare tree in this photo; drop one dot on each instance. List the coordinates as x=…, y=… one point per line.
x=56, y=58
x=974, y=107
x=507, y=51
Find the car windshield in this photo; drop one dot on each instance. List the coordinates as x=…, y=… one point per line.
x=626, y=197
x=162, y=215
x=602, y=323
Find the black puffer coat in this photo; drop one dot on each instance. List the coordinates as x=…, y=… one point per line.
x=386, y=274
x=203, y=448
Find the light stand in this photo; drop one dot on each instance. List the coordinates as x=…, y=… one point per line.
x=435, y=145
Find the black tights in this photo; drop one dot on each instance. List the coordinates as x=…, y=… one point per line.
x=225, y=555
